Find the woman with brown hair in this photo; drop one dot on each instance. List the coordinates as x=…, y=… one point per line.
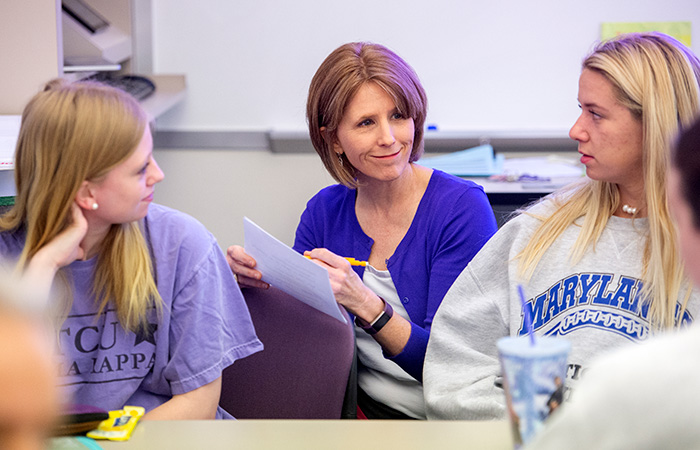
x=416, y=228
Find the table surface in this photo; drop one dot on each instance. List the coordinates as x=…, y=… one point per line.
x=518, y=187
x=316, y=434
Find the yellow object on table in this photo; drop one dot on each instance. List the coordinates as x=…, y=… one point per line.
x=120, y=425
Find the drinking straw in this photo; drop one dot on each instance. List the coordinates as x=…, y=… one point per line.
x=526, y=314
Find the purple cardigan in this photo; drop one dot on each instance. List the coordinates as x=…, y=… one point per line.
x=453, y=221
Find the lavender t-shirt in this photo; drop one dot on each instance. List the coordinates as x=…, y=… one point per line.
x=204, y=324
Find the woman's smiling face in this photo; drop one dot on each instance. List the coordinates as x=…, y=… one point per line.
x=375, y=136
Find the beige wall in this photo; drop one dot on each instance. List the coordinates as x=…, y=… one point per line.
x=219, y=187
x=28, y=50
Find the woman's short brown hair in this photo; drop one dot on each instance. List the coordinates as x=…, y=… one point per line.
x=336, y=81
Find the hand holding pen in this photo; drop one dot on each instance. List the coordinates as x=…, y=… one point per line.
x=348, y=288
x=243, y=267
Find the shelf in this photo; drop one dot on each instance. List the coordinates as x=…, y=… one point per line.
x=134, y=19
x=170, y=89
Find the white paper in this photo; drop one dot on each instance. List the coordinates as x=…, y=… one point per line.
x=547, y=166
x=9, y=132
x=289, y=271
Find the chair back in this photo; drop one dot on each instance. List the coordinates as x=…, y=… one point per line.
x=304, y=370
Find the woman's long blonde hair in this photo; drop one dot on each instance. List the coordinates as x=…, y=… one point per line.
x=656, y=78
x=73, y=132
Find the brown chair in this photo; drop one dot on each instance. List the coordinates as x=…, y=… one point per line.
x=306, y=371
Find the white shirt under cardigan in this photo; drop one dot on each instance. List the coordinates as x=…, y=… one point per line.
x=380, y=378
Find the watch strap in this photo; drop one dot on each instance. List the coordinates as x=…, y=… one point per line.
x=379, y=322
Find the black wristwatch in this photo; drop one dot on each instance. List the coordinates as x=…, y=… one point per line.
x=379, y=322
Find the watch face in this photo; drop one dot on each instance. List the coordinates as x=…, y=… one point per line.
x=379, y=322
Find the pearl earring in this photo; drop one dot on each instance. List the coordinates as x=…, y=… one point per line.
x=95, y=206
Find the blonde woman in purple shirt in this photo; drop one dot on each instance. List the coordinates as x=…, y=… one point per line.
x=148, y=313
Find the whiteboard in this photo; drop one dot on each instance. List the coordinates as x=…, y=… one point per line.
x=508, y=65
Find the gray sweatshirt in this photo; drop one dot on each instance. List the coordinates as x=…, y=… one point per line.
x=593, y=304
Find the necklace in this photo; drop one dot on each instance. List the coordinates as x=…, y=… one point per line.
x=629, y=210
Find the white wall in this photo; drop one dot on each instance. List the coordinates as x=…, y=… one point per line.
x=505, y=65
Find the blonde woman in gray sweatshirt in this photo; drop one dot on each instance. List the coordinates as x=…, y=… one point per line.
x=598, y=260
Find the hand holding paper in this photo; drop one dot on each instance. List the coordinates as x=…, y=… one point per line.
x=244, y=268
x=289, y=271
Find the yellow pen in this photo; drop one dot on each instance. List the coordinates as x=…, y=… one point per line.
x=352, y=261
x=355, y=262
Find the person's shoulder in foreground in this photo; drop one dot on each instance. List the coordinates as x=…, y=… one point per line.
x=627, y=400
